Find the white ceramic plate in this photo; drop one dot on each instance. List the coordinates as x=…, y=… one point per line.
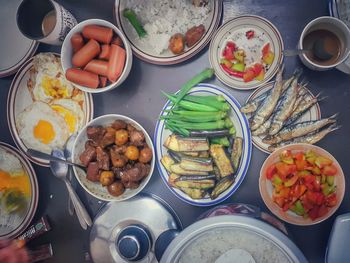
x=234, y=30
x=9, y=229
x=15, y=48
x=96, y=189
x=19, y=98
x=145, y=52
x=242, y=128
x=314, y=113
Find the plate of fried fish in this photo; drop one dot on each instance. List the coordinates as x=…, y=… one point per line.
x=43, y=108
x=285, y=112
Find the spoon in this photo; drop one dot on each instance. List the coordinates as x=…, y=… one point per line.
x=45, y=156
x=60, y=171
x=68, y=154
x=318, y=50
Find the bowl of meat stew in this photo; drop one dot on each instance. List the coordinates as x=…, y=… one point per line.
x=118, y=155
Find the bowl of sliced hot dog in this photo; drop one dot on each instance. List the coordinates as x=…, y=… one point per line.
x=96, y=56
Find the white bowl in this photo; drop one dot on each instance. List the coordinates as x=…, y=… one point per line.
x=266, y=188
x=67, y=53
x=96, y=189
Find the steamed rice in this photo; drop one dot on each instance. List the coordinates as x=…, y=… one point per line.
x=163, y=18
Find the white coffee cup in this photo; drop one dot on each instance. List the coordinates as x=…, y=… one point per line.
x=338, y=28
x=32, y=13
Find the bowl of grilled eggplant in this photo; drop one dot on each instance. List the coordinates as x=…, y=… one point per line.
x=203, y=145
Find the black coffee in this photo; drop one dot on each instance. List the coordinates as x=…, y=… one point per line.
x=331, y=45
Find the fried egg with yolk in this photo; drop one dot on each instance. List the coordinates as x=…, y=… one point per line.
x=42, y=128
x=71, y=112
x=49, y=81
x=12, y=174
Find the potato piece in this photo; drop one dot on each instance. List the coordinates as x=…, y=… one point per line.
x=116, y=189
x=106, y=178
x=177, y=43
x=132, y=153
x=145, y=155
x=121, y=137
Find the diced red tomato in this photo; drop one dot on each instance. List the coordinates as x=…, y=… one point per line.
x=231, y=45
x=270, y=171
x=313, y=213
x=331, y=200
x=299, y=156
x=228, y=54
x=248, y=75
x=301, y=164
x=250, y=34
x=261, y=75
x=329, y=170
x=323, y=210
x=279, y=201
x=265, y=49
x=257, y=67
x=285, y=207
x=284, y=169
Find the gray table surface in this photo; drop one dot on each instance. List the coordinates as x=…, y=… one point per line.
x=140, y=98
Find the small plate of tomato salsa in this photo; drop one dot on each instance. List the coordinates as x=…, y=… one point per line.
x=302, y=184
x=246, y=52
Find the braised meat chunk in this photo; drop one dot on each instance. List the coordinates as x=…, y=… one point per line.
x=95, y=133
x=88, y=155
x=93, y=172
x=102, y=159
x=194, y=34
x=133, y=174
x=119, y=124
x=137, y=138
x=108, y=138
x=144, y=168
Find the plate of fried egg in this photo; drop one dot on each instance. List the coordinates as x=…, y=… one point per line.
x=43, y=108
x=19, y=192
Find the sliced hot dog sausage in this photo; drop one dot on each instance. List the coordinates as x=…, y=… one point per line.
x=116, y=62
x=103, y=81
x=82, y=77
x=100, y=33
x=90, y=50
x=97, y=66
x=105, y=52
x=77, y=41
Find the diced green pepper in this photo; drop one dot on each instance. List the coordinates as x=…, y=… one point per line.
x=327, y=190
x=298, y=208
x=322, y=161
x=323, y=178
x=291, y=181
x=240, y=67
x=330, y=180
x=276, y=180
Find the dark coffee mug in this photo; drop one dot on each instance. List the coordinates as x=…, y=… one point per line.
x=44, y=21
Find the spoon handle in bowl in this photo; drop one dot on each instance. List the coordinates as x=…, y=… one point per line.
x=80, y=210
x=45, y=156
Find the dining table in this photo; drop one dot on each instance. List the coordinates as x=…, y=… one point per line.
x=141, y=99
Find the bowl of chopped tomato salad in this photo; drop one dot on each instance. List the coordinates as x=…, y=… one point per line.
x=302, y=184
